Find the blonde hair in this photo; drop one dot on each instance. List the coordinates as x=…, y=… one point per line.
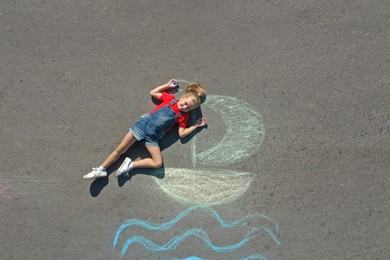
x=198, y=89
x=193, y=96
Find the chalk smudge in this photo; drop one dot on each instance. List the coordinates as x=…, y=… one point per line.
x=4, y=191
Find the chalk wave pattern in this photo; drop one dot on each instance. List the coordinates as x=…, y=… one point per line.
x=197, y=232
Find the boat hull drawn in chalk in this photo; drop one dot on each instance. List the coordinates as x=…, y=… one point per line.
x=205, y=186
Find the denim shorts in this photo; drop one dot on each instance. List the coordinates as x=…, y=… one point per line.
x=144, y=130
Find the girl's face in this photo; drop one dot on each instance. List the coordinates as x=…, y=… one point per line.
x=185, y=104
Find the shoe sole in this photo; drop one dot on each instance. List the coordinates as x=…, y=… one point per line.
x=127, y=160
x=94, y=177
x=101, y=176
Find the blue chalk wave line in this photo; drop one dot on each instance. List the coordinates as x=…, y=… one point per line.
x=169, y=224
x=254, y=256
x=189, y=258
x=176, y=241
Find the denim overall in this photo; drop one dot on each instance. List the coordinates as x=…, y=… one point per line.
x=160, y=121
x=152, y=127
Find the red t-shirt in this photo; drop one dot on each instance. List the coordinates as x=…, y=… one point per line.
x=182, y=118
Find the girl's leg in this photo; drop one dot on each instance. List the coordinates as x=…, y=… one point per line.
x=154, y=162
x=127, y=141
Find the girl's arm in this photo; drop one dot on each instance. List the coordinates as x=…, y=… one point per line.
x=157, y=92
x=183, y=132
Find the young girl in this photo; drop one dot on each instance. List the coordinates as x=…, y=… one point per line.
x=151, y=127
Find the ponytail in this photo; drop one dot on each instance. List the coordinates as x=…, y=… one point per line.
x=197, y=89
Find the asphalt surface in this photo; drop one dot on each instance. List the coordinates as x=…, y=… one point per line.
x=76, y=74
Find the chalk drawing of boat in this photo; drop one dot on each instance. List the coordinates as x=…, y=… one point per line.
x=243, y=136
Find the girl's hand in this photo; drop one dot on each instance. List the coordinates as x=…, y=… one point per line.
x=201, y=122
x=172, y=83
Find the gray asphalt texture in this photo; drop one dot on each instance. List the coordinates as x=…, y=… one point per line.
x=76, y=74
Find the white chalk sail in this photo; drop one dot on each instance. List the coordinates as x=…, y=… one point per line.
x=243, y=136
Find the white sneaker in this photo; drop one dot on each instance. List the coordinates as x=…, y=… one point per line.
x=124, y=168
x=95, y=173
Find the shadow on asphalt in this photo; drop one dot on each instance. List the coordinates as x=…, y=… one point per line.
x=138, y=150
